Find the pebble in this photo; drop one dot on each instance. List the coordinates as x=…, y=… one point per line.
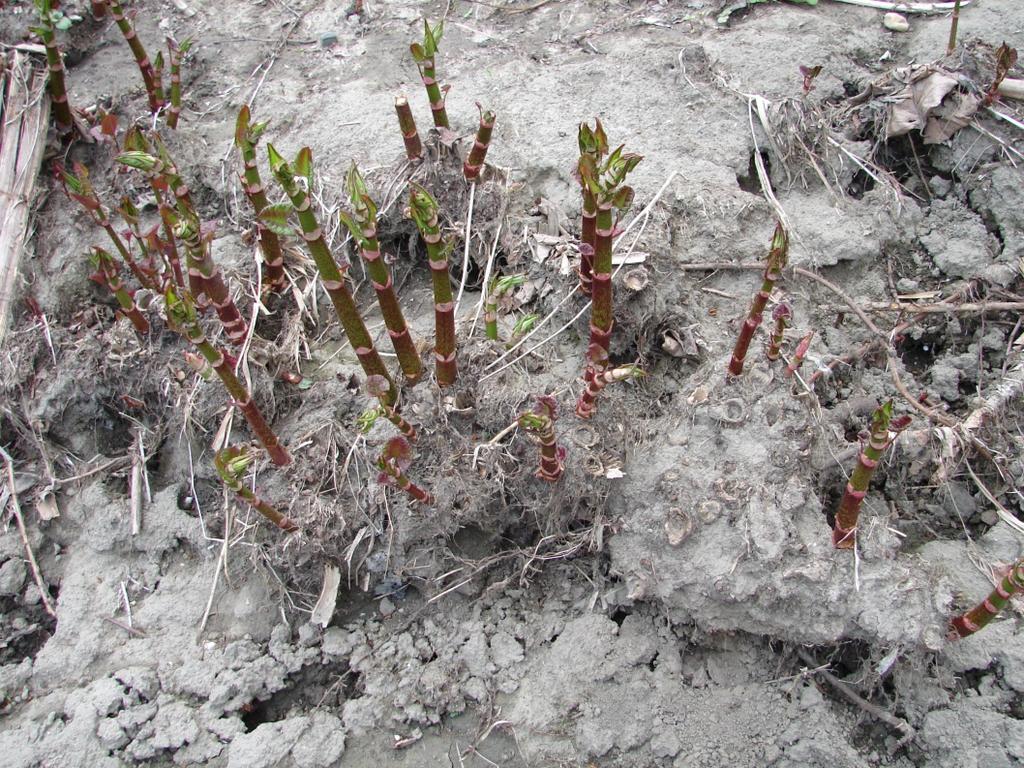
x=327, y=39
x=896, y=22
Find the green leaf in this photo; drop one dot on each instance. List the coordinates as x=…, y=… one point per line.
x=275, y=218
x=304, y=166
x=277, y=163
x=63, y=23
x=242, y=127
x=418, y=54
x=143, y=161
x=623, y=198
x=352, y=226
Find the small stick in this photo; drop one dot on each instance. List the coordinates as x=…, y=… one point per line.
x=20, y=521
x=909, y=734
x=953, y=24
x=407, y=123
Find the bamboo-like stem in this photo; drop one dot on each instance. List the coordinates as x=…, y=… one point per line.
x=247, y=136
x=176, y=53
x=782, y=314
x=477, y=155
x=55, y=63
x=146, y=69
x=777, y=257
x=978, y=617
x=407, y=123
x=540, y=424
x=883, y=431
x=168, y=244
x=377, y=386
x=799, y=354
x=498, y=288
x=597, y=381
x=593, y=144
x=203, y=271
x=231, y=464
x=181, y=314
x=99, y=9
x=605, y=182
x=424, y=55
x=362, y=223
x=330, y=275
x=423, y=211
x=105, y=263
x=393, y=462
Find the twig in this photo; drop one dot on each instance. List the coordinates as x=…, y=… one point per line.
x=909, y=734
x=946, y=308
x=125, y=627
x=465, y=255
x=20, y=521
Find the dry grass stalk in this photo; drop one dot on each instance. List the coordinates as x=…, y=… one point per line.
x=22, y=139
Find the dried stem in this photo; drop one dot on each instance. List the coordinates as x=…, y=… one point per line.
x=540, y=423
x=331, y=275
x=423, y=211
x=407, y=123
x=777, y=257
x=181, y=314
x=883, y=431
x=231, y=464
x=475, y=161
x=362, y=223
x=979, y=616
x=247, y=136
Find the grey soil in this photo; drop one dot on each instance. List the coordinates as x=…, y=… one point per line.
x=661, y=604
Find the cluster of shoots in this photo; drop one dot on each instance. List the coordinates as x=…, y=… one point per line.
x=362, y=223
x=392, y=463
x=499, y=289
x=777, y=258
x=540, y=424
x=884, y=429
x=232, y=463
x=52, y=20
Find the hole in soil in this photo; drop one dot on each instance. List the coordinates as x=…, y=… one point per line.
x=25, y=629
x=619, y=615
x=313, y=686
x=749, y=182
x=113, y=432
x=919, y=354
x=861, y=183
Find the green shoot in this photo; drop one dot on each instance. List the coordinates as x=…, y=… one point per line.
x=104, y=262
x=978, y=617
x=231, y=464
x=884, y=429
x=475, y=161
x=600, y=377
x=594, y=146
x=423, y=211
x=176, y=52
x=424, y=55
x=392, y=463
x=499, y=287
x=540, y=424
x=777, y=257
x=49, y=20
x=149, y=75
x=247, y=136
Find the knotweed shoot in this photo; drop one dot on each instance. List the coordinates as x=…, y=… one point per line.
x=176, y=52
x=597, y=380
x=978, y=617
x=181, y=315
x=475, y=161
x=55, y=63
x=362, y=223
x=540, y=424
x=411, y=137
x=782, y=314
x=424, y=55
x=247, y=136
x=392, y=463
x=499, y=288
x=777, y=257
x=332, y=277
x=593, y=144
x=884, y=429
x=146, y=68
x=799, y=354
x=377, y=386
x=104, y=262
x=231, y=464
x=423, y=211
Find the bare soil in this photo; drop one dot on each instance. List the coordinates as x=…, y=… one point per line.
x=675, y=599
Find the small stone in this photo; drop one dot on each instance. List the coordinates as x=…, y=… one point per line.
x=939, y=186
x=386, y=607
x=12, y=576
x=989, y=517
x=328, y=39
x=895, y=22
